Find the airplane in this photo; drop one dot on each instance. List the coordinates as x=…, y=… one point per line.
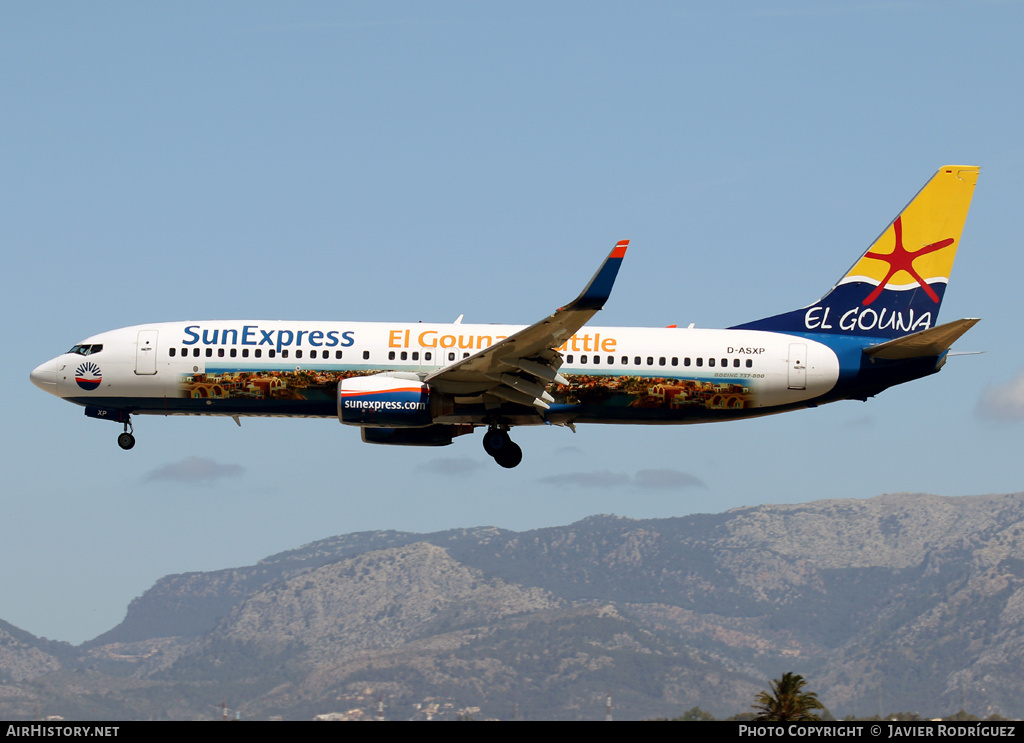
x=425, y=384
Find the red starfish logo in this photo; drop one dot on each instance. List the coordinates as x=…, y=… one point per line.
x=902, y=260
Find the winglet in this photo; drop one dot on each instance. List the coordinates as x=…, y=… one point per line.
x=600, y=287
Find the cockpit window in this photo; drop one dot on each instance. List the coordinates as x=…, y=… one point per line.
x=85, y=349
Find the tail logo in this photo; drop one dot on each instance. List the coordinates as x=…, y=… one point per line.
x=900, y=259
x=88, y=376
x=896, y=286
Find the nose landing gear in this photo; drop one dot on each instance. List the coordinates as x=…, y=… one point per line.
x=505, y=451
x=126, y=440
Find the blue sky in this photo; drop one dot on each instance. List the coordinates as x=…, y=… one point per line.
x=418, y=161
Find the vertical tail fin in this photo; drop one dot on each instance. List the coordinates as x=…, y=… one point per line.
x=897, y=285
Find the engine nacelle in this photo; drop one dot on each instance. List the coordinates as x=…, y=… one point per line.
x=389, y=401
x=439, y=435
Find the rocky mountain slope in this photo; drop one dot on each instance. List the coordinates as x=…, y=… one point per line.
x=914, y=599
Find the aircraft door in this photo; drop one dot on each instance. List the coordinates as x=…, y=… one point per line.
x=797, y=366
x=145, y=352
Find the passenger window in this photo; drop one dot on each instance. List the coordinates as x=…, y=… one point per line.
x=172, y=351
x=750, y=363
x=636, y=361
x=245, y=353
x=583, y=359
x=426, y=356
x=569, y=359
x=220, y=353
x=404, y=355
x=686, y=361
x=611, y=360
x=711, y=362
x=725, y=362
x=209, y=352
x=675, y=361
x=298, y=353
x=366, y=355
x=195, y=351
x=650, y=361
x=661, y=361
x=271, y=353
x=391, y=355
x=258, y=352
x=700, y=361
x=284, y=354
x=451, y=356
x=735, y=362
x=625, y=360
x=415, y=355
x=337, y=354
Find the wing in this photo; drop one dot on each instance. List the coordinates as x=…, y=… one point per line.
x=518, y=368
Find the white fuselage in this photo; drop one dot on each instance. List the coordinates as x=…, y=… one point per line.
x=616, y=375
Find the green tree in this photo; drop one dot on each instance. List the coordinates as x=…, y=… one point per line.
x=787, y=701
x=696, y=714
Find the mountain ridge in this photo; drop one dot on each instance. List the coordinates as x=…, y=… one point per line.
x=922, y=595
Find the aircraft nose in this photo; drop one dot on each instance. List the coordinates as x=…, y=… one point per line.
x=44, y=376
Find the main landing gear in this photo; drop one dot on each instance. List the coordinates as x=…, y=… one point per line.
x=505, y=451
x=126, y=440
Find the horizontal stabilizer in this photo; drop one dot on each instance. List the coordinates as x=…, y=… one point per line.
x=931, y=342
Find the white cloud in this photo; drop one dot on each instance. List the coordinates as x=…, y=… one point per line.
x=1004, y=402
x=656, y=479
x=451, y=466
x=602, y=479
x=666, y=480
x=194, y=471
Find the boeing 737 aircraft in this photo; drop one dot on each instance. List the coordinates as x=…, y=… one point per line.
x=423, y=384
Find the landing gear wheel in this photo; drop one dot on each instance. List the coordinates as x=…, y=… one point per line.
x=510, y=455
x=505, y=451
x=495, y=440
x=125, y=440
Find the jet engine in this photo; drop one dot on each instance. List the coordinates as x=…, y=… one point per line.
x=391, y=400
x=437, y=435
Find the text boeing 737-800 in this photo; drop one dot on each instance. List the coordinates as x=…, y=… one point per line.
x=424, y=384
